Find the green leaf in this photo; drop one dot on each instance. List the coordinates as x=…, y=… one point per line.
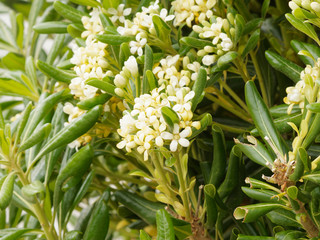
x=264, y=8
x=256, y=151
x=252, y=212
x=44, y=106
x=313, y=177
x=290, y=69
x=212, y=210
x=91, y=3
x=252, y=25
x=68, y=12
x=55, y=73
x=232, y=177
x=15, y=233
x=6, y=190
x=73, y=171
x=239, y=27
x=302, y=163
x=245, y=237
x=148, y=64
x=20, y=30
x=71, y=132
x=51, y=27
x=153, y=83
x=13, y=61
x=162, y=29
x=30, y=69
x=219, y=157
x=110, y=3
x=31, y=190
x=164, y=226
x=281, y=123
x=311, y=48
x=114, y=40
x=14, y=88
x=227, y=58
x=198, y=88
x=105, y=86
x=144, y=235
x=195, y=42
x=252, y=42
x=91, y=102
x=143, y=208
x=98, y=224
x=55, y=48
x=254, y=183
x=262, y=118
x=314, y=107
x=304, y=27
x=170, y=116
x=289, y=235
x=263, y=195
x=284, y=218
x=36, y=137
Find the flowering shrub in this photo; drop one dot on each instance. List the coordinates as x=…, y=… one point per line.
x=194, y=119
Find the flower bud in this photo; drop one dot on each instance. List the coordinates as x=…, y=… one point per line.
x=306, y=4
x=119, y=92
x=226, y=25
x=315, y=7
x=230, y=18
x=208, y=60
x=293, y=6
x=120, y=81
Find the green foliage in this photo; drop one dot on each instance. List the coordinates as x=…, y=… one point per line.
x=146, y=121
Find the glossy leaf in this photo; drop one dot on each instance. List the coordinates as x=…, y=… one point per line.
x=143, y=208
x=252, y=43
x=232, y=176
x=55, y=73
x=311, y=48
x=219, y=157
x=290, y=69
x=105, y=86
x=227, y=58
x=256, y=151
x=164, y=226
x=114, y=40
x=262, y=118
x=68, y=12
x=304, y=27
x=51, y=27
x=98, y=224
x=250, y=213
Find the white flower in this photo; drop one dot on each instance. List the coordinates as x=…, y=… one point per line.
x=132, y=65
x=129, y=28
x=208, y=59
x=93, y=24
x=136, y=46
x=177, y=137
x=186, y=11
x=226, y=43
x=119, y=14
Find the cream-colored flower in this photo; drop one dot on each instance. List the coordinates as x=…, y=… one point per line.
x=119, y=14
x=177, y=137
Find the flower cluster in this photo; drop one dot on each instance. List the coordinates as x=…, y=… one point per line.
x=219, y=35
x=142, y=26
x=144, y=127
x=303, y=89
x=313, y=6
x=90, y=62
x=192, y=10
